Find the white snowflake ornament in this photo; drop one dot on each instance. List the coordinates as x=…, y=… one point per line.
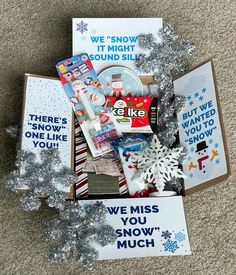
x=158, y=164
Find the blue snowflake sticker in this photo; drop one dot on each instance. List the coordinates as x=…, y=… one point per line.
x=189, y=97
x=191, y=103
x=166, y=234
x=203, y=90
x=170, y=246
x=180, y=236
x=200, y=98
x=210, y=141
x=83, y=37
x=93, y=31
x=196, y=94
x=82, y=27
x=217, y=161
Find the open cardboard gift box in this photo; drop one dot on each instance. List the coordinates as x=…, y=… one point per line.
x=144, y=226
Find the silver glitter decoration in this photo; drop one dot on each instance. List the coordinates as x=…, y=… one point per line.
x=166, y=59
x=79, y=226
x=13, y=131
x=174, y=185
x=40, y=179
x=30, y=201
x=179, y=102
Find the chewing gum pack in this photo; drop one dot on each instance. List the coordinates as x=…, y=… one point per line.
x=134, y=114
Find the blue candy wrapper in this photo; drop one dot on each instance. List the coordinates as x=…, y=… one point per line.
x=133, y=142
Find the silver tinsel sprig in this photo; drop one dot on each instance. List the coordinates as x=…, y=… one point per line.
x=174, y=185
x=79, y=226
x=13, y=131
x=43, y=177
x=169, y=55
x=165, y=59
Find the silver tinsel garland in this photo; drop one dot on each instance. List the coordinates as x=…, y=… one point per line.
x=165, y=60
x=13, y=131
x=40, y=178
x=78, y=228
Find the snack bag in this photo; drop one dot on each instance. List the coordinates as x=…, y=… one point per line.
x=129, y=142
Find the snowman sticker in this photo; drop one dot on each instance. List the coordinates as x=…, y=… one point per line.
x=117, y=86
x=204, y=164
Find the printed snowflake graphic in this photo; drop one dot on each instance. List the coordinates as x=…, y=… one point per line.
x=191, y=175
x=189, y=97
x=216, y=145
x=203, y=90
x=196, y=94
x=189, y=157
x=192, y=149
x=210, y=141
x=217, y=161
x=82, y=27
x=166, y=234
x=180, y=237
x=93, y=31
x=83, y=37
x=200, y=98
x=170, y=246
x=191, y=103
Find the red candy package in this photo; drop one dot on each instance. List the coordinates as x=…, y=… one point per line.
x=134, y=114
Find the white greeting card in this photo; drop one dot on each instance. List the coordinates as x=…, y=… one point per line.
x=146, y=227
x=47, y=119
x=199, y=127
x=112, y=41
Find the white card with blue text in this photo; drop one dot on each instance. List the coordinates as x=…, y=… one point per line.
x=146, y=227
x=112, y=41
x=199, y=127
x=47, y=119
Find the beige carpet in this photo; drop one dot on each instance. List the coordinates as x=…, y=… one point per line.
x=34, y=36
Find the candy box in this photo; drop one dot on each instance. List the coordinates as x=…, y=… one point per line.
x=134, y=114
